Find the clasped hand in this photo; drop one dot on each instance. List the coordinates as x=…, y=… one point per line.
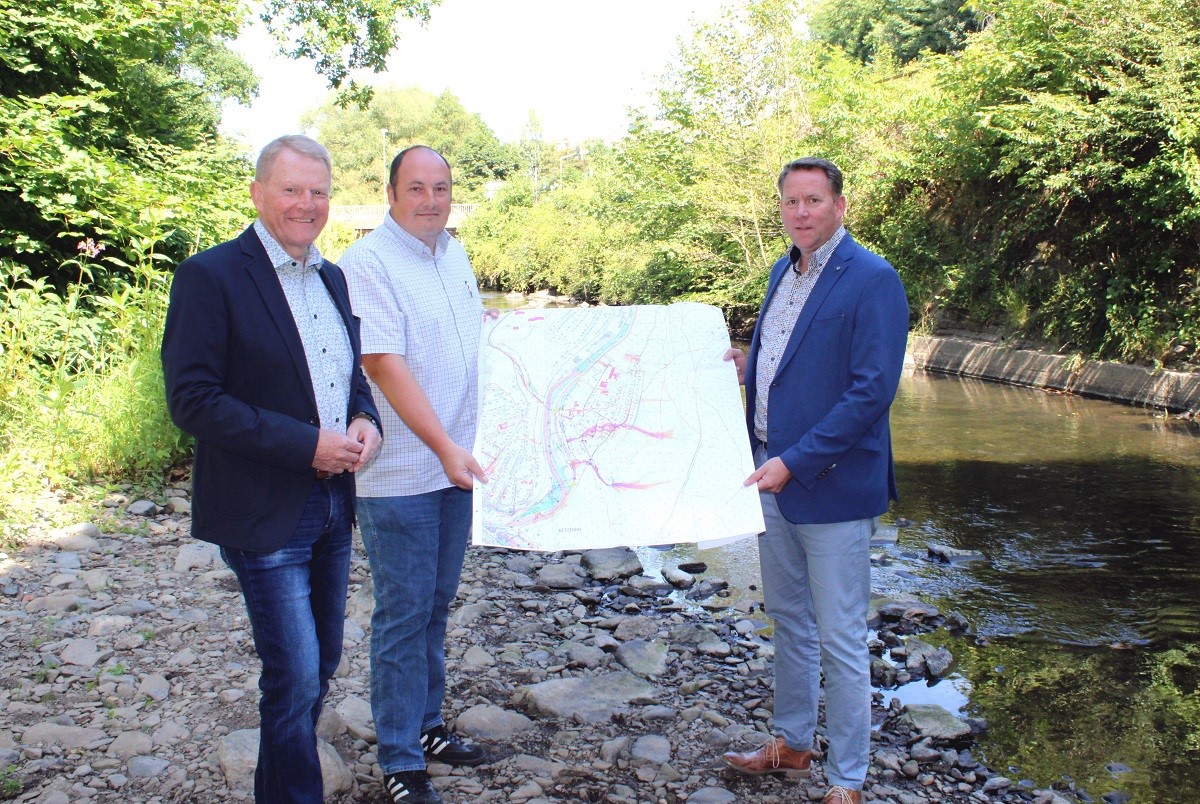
x=350, y=452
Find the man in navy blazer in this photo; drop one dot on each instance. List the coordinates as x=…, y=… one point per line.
x=824, y=364
x=261, y=361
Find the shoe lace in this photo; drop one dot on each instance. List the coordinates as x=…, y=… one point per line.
x=438, y=739
x=838, y=795
x=773, y=753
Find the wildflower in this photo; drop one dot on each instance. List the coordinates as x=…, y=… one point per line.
x=90, y=248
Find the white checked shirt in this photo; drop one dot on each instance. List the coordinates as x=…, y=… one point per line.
x=322, y=330
x=779, y=320
x=425, y=306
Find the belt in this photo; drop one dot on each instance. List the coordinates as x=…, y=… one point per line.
x=324, y=475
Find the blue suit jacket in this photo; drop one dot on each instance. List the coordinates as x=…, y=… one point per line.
x=827, y=407
x=237, y=379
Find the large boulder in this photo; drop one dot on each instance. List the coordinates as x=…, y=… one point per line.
x=583, y=699
x=611, y=563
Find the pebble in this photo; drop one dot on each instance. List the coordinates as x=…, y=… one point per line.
x=128, y=674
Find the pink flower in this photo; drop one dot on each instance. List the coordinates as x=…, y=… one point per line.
x=90, y=247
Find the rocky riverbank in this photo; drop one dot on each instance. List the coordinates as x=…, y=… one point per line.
x=129, y=675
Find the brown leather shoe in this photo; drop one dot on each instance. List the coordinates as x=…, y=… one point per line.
x=842, y=795
x=773, y=757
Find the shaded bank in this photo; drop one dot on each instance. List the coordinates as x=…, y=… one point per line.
x=1174, y=391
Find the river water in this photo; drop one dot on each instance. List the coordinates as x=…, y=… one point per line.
x=1084, y=650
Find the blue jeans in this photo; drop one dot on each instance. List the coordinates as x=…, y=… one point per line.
x=817, y=588
x=296, y=600
x=416, y=545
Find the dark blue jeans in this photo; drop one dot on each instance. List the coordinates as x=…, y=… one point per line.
x=415, y=545
x=296, y=600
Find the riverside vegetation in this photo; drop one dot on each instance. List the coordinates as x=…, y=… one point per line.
x=1030, y=166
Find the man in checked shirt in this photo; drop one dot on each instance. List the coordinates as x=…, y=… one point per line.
x=413, y=287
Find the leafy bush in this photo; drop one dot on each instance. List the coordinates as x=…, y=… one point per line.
x=1059, y=182
x=81, y=395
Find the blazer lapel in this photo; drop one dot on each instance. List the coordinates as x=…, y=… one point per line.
x=263, y=274
x=834, y=270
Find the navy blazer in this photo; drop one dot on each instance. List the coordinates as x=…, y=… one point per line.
x=237, y=379
x=827, y=408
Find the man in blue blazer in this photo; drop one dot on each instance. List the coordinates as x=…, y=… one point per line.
x=824, y=364
x=261, y=361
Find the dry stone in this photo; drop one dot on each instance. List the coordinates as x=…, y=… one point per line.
x=488, y=722
x=237, y=756
x=56, y=734
x=584, y=700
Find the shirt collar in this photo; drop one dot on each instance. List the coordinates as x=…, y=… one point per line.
x=411, y=240
x=817, y=260
x=278, y=255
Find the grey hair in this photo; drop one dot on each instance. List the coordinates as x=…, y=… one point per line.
x=813, y=163
x=297, y=143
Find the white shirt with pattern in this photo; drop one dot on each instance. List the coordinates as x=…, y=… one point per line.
x=779, y=320
x=322, y=329
x=426, y=307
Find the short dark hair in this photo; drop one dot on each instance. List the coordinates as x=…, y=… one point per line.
x=400, y=158
x=813, y=163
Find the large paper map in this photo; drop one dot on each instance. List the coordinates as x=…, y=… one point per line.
x=611, y=426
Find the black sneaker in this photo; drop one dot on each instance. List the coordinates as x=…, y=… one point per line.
x=442, y=746
x=410, y=787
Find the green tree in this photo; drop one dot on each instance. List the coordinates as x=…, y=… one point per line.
x=112, y=169
x=403, y=117
x=342, y=36
x=100, y=103
x=537, y=155
x=687, y=200
x=1057, y=195
x=739, y=102
x=110, y=108
x=904, y=29
x=1042, y=179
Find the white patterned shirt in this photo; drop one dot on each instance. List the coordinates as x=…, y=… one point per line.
x=322, y=329
x=425, y=306
x=779, y=320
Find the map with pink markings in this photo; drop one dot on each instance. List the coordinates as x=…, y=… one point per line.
x=610, y=426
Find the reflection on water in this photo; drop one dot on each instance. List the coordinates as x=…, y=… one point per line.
x=736, y=563
x=952, y=694
x=1086, y=608
x=1086, y=512
x=1087, y=604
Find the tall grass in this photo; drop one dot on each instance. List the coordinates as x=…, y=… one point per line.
x=80, y=386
